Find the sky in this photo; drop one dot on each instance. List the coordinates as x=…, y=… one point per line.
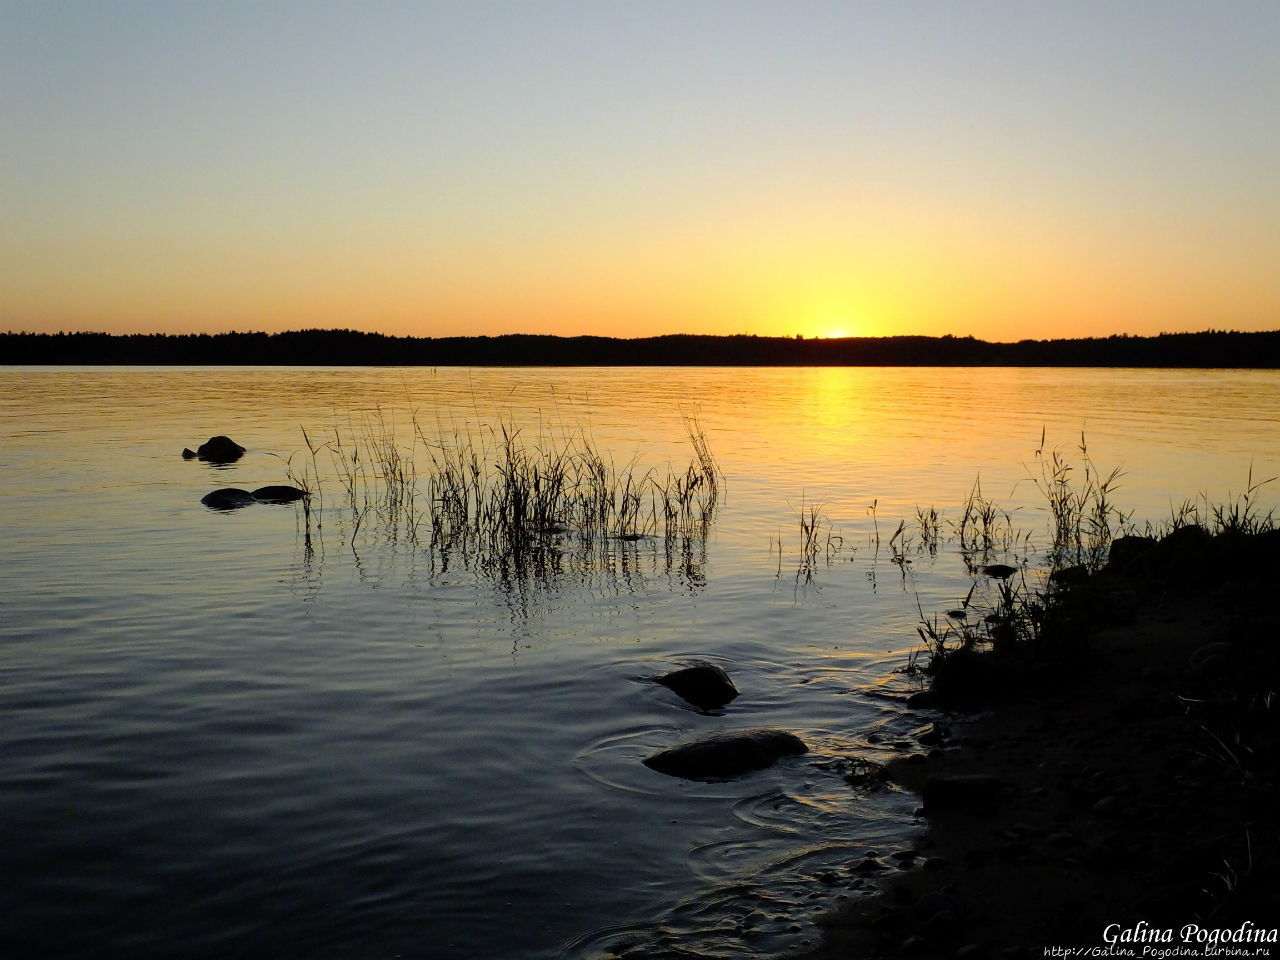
x=997, y=169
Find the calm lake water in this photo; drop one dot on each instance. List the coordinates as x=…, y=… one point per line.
x=253, y=733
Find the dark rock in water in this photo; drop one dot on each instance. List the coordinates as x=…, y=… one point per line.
x=1070, y=576
x=725, y=755
x=188, y=453
x=1001, y=571
x=278, y=494
x=217, y=450
x=869, y=865
x=959, y=792
x=703, y=684
x=1125, y=550
x=931, y=735
x=228, y=498
x=864, y=773
x=923, y=700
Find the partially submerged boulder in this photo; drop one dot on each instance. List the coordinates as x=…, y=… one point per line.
x=227, y=498
x=701, y=683
x=232, y=498
x=723, y=756
x=216, y=450
x=999, y=571
x=278, y=493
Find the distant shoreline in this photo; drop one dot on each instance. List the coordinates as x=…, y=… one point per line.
x=1207, y=349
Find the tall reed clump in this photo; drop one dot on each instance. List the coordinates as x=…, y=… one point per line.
x=1009, y=613
x=375, y=471
x=983, y=525
x=507, y=500
x=1084, y=517
x=1239, y=515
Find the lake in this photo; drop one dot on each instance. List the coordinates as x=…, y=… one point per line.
x=279, y=732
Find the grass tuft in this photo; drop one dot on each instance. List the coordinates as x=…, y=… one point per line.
x=508, y=500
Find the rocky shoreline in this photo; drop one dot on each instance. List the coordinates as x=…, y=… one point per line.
x=1116, y=793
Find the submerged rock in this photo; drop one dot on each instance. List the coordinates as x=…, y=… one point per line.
x=726, y=755
x=1073, y=576
x=924, y=700
x=1000, y=571
x=703, y=684
x=279, y=493
x=216, y=450
x=931, y=735
x=228, y=498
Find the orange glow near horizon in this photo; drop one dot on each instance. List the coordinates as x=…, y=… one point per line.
x=928, y=284
x=768, y=270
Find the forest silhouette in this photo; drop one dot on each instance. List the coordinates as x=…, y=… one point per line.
x=1211, y=348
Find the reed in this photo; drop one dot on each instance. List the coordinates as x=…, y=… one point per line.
x=1009, y=613
x=1239, y=515
x=929, y=523
x=1084, y=515
x=1083, y=521
x=983, y=525
x=502, y=499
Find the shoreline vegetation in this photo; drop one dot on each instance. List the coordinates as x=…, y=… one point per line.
x=501, y=501
x=1097, y=765
x=1207, y=349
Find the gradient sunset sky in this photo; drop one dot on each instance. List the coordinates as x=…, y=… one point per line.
x=1007, y=170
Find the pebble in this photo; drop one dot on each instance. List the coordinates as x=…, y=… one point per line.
x=1106, y=806
x=929, y=735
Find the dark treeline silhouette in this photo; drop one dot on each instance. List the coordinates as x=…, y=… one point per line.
x=1211, y=348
